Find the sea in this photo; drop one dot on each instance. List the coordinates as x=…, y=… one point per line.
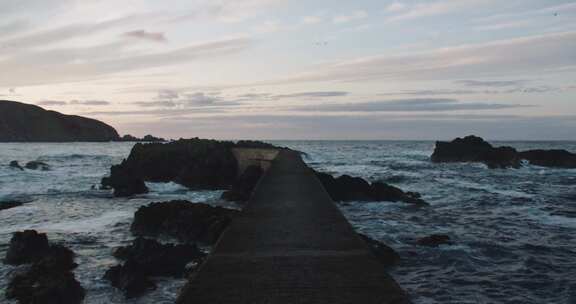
x=513, y=231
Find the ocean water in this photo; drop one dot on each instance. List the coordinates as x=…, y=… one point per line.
x=514, y=230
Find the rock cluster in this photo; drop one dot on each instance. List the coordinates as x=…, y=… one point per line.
x=32, y=165
x=146, y=258
x=346, y=188
x=183, y=220
x=49, y=279
x=434, y=240
x=147, y=138
x=475, y=149
x=9, y=204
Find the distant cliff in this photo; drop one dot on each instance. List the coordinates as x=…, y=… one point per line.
x=21, y=122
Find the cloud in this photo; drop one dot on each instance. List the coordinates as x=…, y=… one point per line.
x=492, y=83
x=182, y=100
x=311, y=19
x=408, y=105
x=396, y=7
x=51, y=103
x=319, y=94
x=427, y=9
x=90, y=102
x=355, y=15
x=72, y=64
x=519, y=56
x=144, y=35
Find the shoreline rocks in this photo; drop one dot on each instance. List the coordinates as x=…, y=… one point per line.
x=182, y=220
x=37, y=165
x=10, y=204
x=49, y=279
x=434, y=240
x=346, y=188
x=145, y=258
x=15, y=165
x=475, y=149
x=147, y=138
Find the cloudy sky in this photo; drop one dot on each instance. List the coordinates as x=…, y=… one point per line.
x=279, y=69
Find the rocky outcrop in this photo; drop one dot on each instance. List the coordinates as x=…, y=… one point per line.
x=15, y=165
x=155, y=259
x=10, y=204
x=385, y=254
x=199, y=164
x=21, y=122
x=475, y=149
x=183, y=220
x=346, y=188
x=434, y=240
x=146, y=258
x=49, y=279
x=37, y=165
x=147, y=138
x=550, y=158
x=244, y=185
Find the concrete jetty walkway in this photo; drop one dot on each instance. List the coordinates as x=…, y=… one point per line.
x=291, y=244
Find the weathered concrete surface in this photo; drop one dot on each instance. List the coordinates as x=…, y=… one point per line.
x=291, y=245
x=260, y=157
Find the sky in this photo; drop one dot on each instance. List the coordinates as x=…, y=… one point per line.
x=295, y=69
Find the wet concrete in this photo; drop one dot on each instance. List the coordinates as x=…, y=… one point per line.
x=291, y=244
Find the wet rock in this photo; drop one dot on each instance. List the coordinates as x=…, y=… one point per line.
x=550, y=158
x=475, y=149
x=244, y=185
x=26, y=247
x=183, y=220
x=346, y=188
x=45, y=283
x=199, y=164
x=10, y=204
x=130, y=279
x=15, y=165
x=434, y=240
x=37, y=165
x=49, y=279
x=155, y=259
x=124, y=182
x=385, y=254
x=147, y=138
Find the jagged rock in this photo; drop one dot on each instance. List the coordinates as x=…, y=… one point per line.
x=20, y=122
x=130, y=279
x=15, y=165
x=10, y=204
x=346, y=188
x=385, y=254
x=475, y=149
x=185, y=221
x=45, y=283
x=49, y=279
x=37, y=165
x=147, y=138
x=550, y=158
x=199, y=164
x=244, y=185
x=434, y=240
x=124, y=182
x=155, y=259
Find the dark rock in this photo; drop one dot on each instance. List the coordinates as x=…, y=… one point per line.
x=37, y=165
x=185, y=221
x=550, y=158
x=199, y=164
x=45, y=282
x=155, y=259
x=130, y=279
x=10, y=204
x=49, y=279
x=434, y=240
x=147, y=138
x=124, y=182
x=385, y=254
x=244, y=185
x=475, y=149
x=21, y=122
x=346, y=188
x=26, y=247
x=14, y=164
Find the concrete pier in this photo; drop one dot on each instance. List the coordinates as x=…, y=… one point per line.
x=291, y=244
